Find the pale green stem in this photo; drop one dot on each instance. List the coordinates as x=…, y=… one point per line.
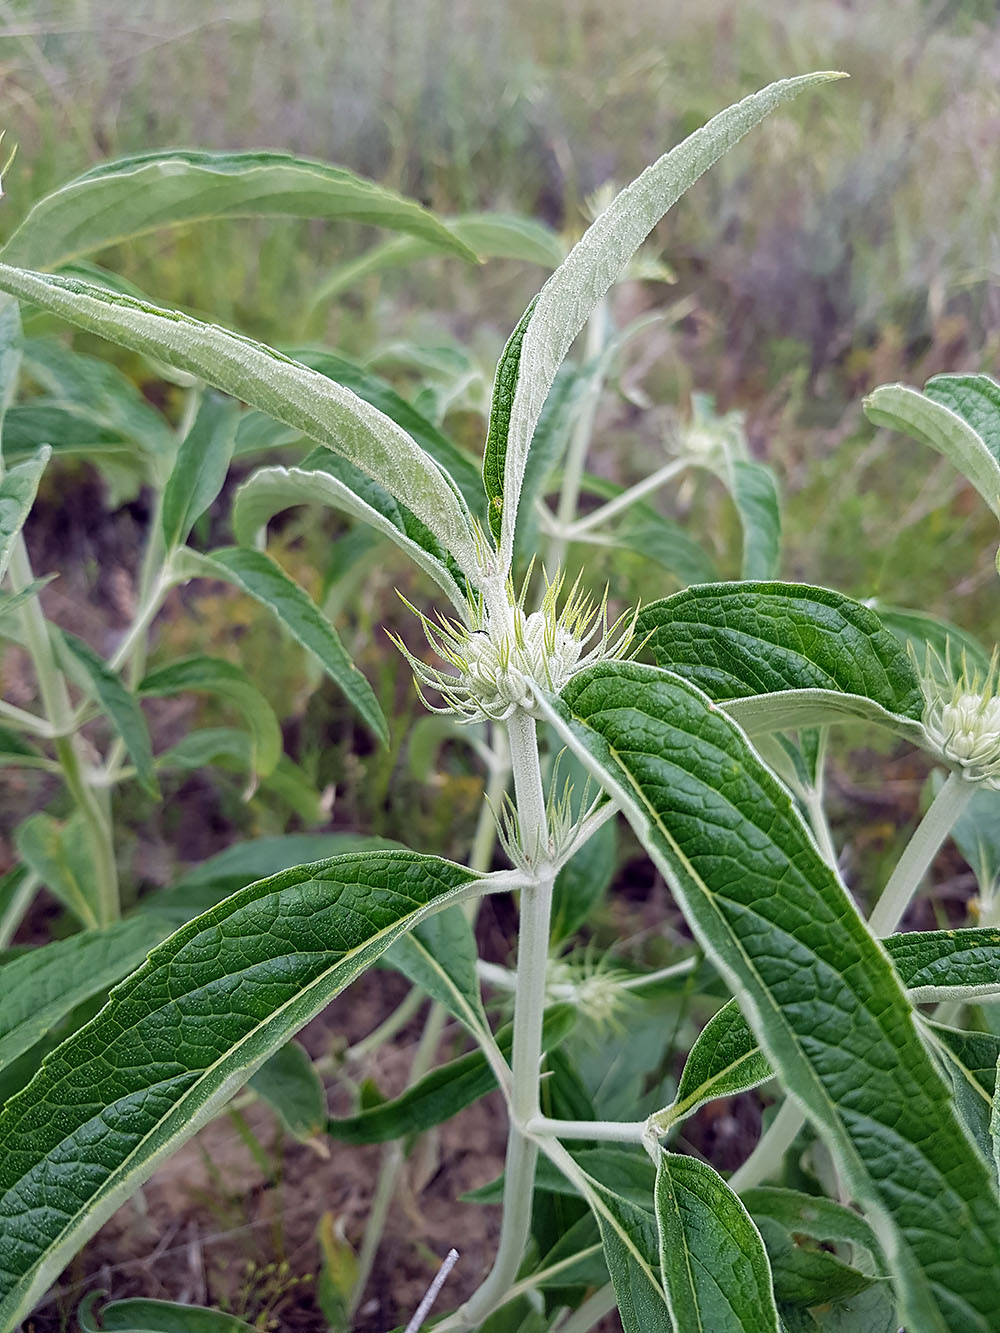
x=591, y=1312
x=59, y=712
x=16, y=908
x=387, y=1029
x=579, y=444
x=529, y=1009
x=608, y=1131
x=37, y=726
x=627, y=498
x=903, y=883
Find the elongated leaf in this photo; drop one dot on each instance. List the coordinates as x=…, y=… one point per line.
x=724, y=1060
x=288, y=1082
x=18, y=489
x=970, y=1060
x=11, y=339
x=10, y=601
x=181, y=1035
x=712, y=1259
x=755, y=494
x=43, y=985
x=793, y=710
x=120, y=706
x=583, y=881
x=735, y=640
x=273, y=383
x=139, y=1315
x=917, y=631
x=976, y=399
x=263, y=579
x=773, y=917
x=559, y=312
x=136, y=195
x=210, y=745
x=548, y=445
x=976, y=834
x=59, y=854
x=272, y=489
x=442, y=1093
x=212, y=675
x=200, y=469
x=897, y=407
x=795, y=1228
x=440, y=956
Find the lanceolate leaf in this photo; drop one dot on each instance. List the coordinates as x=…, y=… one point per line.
x=135, y=195
x=288, y=1082
x=60, y=855
x=212, y=675
x=917, y=631
x=121, y=707
x=970, y=1060
x=755, y=494
x=976, y=399
x=712, y=1260
x=273, y=383
x=724, y=1060
x=200, y=469
x=942, y=429
x=264, y=580
x=181, y=1035
x=440, y=956
x=43, y=985
x=18, y=488
x=145, y=1316
x=772, y=917
x=564, y=304
x=735, y=640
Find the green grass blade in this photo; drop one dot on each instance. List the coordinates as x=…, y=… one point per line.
x=773, y=917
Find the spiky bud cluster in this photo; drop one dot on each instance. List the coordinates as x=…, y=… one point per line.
x=499, y=663
x=962, y=716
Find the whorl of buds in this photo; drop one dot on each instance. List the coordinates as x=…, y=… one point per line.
x=962, y=716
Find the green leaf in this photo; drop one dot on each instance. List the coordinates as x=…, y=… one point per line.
x=440, y=957
x=970, y=1062
x=873, y=1310
x=18, y=489
x=289, y=1084
x=11, y=339
x=735, y=640
x=791, y=710
x=583, y=882
x=660, y=539
x=212, y=675
x=181, y=1035
x=948, y=964
x=725, y=1060
x=917, y=632
x=43, y=985
x=121, y=708
x=136, y=195
x=210, y=745
x=976, y=834
x=976, y=399
x=552, y=321
x=712, y=1259
x=256, y=574
x=269, y=490
x=995, y=1125
x=442, y=1093
x=139, y=1315
x=795, y=1228
x=200, y=470
x=755, y=495
x=936, y=425
x=59, y=854
x=548, y=445
x=773, y=918
x=263, y=378
x=10, y=601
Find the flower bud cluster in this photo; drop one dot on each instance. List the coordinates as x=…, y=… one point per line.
x=962, y=718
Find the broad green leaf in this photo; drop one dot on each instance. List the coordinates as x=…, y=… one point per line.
x=263, y=378
x=772, y=917
x=917, y=632
x=797, y=1230
x=18, y=489
x=181, y=1035
x=976, y=399
x=552, y=321
x=121, y=708
x=948, y=964
x=755, y=495
x=289, y=1084
x=269, y=490
x=970, y=1061
x=212, y=675
x=42, y=986
x=712, y=1259
x=440, y=1094
x=873, y=1310
x=59, y=854
x=256, y=574
x=136, y=195
x=724, y=1060
x=490, y=235
x=440, y=956
x=139, y=1315
x=936, y=425
x=735, y=640
x=200, y=469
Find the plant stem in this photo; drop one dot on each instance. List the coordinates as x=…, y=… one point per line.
x=607, y=1131
x=903, y=883
x=20, y=901
x=627, y=498
x=579, y=444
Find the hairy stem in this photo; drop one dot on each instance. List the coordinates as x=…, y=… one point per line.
x=627, y=498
